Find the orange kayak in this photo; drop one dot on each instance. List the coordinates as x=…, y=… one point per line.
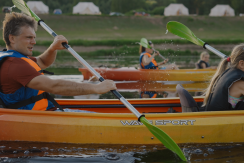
x=145, y=105
x=158, y=86
x=127, y=74
x=115, y=125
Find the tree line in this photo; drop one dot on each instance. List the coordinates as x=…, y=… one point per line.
x=154, y=7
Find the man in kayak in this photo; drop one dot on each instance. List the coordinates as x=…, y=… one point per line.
x=147, y=60
x=23, y=85
x=226, y=90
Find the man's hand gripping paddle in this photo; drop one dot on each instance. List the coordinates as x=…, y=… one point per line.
x=162, y=136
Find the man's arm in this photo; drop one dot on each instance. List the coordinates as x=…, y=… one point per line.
x=49, y=56
x=69, y=88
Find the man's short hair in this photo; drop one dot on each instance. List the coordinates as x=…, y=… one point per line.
x=13, y=22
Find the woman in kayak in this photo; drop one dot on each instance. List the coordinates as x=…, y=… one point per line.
x=204, y=61
x=147, y=60
x=226, y=90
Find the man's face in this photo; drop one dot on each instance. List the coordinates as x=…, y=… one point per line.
x=24, y=42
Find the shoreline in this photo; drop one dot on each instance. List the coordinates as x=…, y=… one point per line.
x=182, y=47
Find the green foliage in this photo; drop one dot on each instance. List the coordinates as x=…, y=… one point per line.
x=190, y=19
x=132, y=12
x=203, y=7
x=158, y=10
x=63, y=71
x=125, y=6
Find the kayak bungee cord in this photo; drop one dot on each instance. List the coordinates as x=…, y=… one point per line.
x=184, y=32
x=161, y=135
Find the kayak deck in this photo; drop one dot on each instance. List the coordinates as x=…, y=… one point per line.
x=126, y=74
x=159, y=86
x=147, y=105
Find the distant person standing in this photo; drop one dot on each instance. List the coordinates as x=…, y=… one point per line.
x=204, y=61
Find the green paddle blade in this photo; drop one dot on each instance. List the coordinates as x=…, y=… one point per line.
x=184, y=32
x=144, y=43
x=21, y=5
x=164, y=138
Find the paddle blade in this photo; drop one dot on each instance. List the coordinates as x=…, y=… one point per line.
x=184, y=32
x=21, y=5
x=164, y=138
x=144, y=43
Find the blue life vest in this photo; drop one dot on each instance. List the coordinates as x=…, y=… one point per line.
x=151, y=94
x=25, y=93
x=152, y=65
x=199, y=64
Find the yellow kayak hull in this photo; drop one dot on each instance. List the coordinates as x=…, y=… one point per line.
x=120, y=128
x=158, y=86
x=126, y=74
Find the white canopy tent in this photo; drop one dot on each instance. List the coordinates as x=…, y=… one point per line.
x=38, y=7
x=175, y=9
x=86, y=8
x=222, y=10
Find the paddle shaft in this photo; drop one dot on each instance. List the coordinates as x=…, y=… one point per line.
x=159, y=54
x=162, y=56
x=84, y=63
x=210, y=48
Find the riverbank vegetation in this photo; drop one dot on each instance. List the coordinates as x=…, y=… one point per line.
x=124, y=57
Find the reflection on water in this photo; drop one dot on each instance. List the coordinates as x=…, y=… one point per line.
x=139, y=89
x=56, y=152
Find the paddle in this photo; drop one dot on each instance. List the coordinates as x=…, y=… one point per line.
x=162, y=136
x=145, y=44
x=184, y=32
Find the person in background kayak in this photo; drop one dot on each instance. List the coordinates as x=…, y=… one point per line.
x=148, y=94
x=226, y=89
x=204, y=61
x=152, y=94
x=147, y=60
x=23, y=85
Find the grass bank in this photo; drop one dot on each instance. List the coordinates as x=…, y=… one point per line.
x=135, y=42
x=76, y=27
